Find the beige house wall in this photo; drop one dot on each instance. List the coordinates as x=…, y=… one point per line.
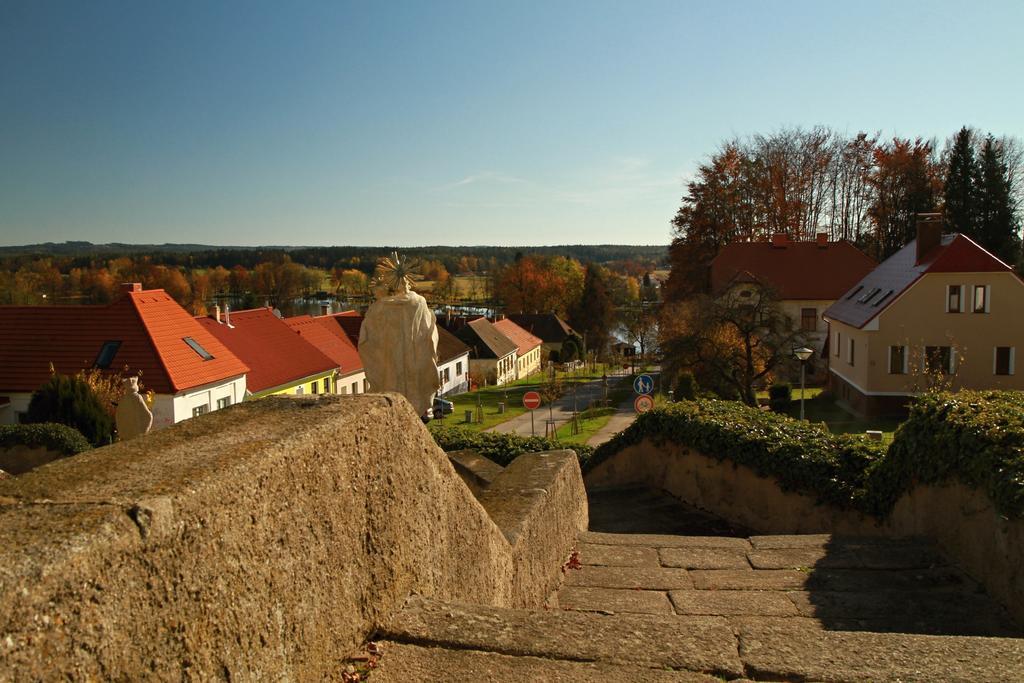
x=918, y=319
x=528, y=363
x=793, y=308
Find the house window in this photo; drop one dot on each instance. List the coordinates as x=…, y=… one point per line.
x=808, y=319
x=953, y=298
x=327, y=385
x=447, y=374
x=458, y=368
x=355, y=387
x=838, y=345
x=106, y=355
x=223, y=402
x=1004, y=360
x=981, y=298
x=366, y=385
x=849, y=357
x=198, y=348
x=300, y=390
x=897, y=360
x=938, y=359
x=440, y=377
x=315, y=387
x=200, y=410
x=344, y=391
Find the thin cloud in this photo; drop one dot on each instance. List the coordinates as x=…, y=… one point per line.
x=482, y=177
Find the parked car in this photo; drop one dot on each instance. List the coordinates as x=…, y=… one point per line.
x=443, y=407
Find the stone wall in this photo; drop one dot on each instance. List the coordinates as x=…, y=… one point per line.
x=963, y=521
x=263, y=541
x=19, y=459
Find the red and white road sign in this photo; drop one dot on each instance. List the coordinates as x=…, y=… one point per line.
x=643, y=403
x=531, y=400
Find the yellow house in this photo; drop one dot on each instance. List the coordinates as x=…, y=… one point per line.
x=942, y=311
x=281, y=361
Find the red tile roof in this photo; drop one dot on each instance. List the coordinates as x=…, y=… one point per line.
x=275, y=353
x=955, y=253
x=150, y=325
x=525, y=341
x=348, y=321
x=795, y=270
x=330, y=339
x=548, y=326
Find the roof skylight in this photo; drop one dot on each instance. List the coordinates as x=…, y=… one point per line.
x=106, y=355
x=867, y=297
x=198, y=348
x=854, y=292
x=883, y=298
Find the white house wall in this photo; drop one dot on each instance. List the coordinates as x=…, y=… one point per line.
x=457, y=382
x=19, y=404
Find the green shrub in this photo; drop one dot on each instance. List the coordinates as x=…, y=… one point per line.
x=686, y=387
x=50, y=435
x=501, y=448
x=976, y=438
x=71, y=401
x=780, y=395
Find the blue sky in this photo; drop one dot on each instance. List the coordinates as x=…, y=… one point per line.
x=413, y=123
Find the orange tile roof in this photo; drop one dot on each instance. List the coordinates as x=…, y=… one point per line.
x=333, y=343
x=150, y=325
x=795, y=270
x=275, y=353
x=525, y=341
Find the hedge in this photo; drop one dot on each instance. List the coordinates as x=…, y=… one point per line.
x=50, y=435
x=501, y=448
x=976, y=438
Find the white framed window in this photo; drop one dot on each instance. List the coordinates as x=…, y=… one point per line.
x=315, y=387
x=940, y=359
x=837, y=344
x=980, y=299
x=898, y=360
x=327, y=385
x=1003, y=360
x=344, y=391
x=355, y=387
x=201, y=410
x=223, y=402
x=954, y=298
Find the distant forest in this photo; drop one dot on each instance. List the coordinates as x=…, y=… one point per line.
x=86, y=254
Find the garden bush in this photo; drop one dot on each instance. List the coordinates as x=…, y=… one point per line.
x=501, y=448
x=71, y=401
x=686, y=387
x=780, y=395
x=49, y=435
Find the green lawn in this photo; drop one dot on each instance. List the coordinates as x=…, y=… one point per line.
x=591, y=421
x=809, y=392
x=820, y=409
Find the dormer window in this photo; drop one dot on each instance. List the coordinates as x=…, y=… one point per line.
x=106, y=355
x=198, y=348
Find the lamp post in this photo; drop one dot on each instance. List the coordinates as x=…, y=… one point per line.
x=802, y=354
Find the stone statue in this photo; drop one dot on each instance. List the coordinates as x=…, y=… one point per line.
x=398, y=339
x=133, y=416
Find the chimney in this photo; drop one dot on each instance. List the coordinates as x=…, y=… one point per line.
x=822, y=240
x=227, y=315
x=325, y=308
x=131, y=287
x=216, y=312
x=780, y=240
x=929, y=233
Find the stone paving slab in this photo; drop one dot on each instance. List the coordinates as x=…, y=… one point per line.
x=703, y=558
x=789, y=649
x=729, y=603
x=614, y=600
x=787, y=541
x=401, y=663
x=866, y=557
x=650, y=578
x=617, y=555
x=702, y=644
x=665, y=540
x=942, y=579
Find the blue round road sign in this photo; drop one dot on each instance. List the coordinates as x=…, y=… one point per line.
x=643, y=384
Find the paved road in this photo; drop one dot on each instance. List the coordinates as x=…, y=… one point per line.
x=561, y=412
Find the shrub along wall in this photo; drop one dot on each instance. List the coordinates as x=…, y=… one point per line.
x=49, y=435
x=501, y=448
x=973, y=437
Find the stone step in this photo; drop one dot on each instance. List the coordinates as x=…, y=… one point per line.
x=432, y=640
x=400, y=663
x=697, y=644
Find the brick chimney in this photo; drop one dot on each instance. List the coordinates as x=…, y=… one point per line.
x=325, y=308
x=929, y=233
x=822, y=240
x=131, y=287
x=780, y=240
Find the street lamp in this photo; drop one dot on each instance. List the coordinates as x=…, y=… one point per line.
x=802, y=354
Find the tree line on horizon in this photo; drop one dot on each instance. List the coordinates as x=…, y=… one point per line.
x=860, y=188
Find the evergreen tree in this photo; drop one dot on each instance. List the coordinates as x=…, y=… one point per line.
x=997, y=224
x=594, y=314
x=961, y=191
x=71, y=401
